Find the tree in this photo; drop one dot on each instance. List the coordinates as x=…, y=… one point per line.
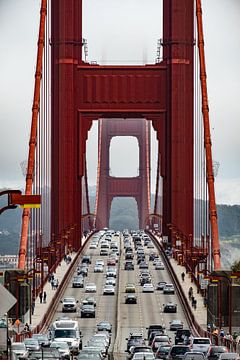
x=236, y=266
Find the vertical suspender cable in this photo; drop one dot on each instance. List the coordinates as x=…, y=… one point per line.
x=207, y=142
x=33, y=136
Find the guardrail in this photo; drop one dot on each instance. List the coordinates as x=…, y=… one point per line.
x=197, y=330
x=46, y=320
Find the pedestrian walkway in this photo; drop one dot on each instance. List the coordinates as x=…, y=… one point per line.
x=40, y=309
x=200, y=313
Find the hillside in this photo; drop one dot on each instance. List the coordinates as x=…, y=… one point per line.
x=124, y=215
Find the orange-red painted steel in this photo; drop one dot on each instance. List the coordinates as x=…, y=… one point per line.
x=207, y=142
x=33, y=136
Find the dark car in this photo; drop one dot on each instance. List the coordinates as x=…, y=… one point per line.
x=134, y=340
x=152, y=256
x=162, y=352
x=82, y=271
x=130, y=299
x=104, y=326
x=129, y=256
x=182, y=336
x=155, y=327
x=177, y=352
x=128, y=265
x=145, y=280
x=216, y=351
x=170, y=308
x=78, y=282
x=86, y=259
x=87, y=311
x=140, y=259
x=90, y=300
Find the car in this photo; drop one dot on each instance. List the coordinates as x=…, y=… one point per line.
x=98, y=269
x=160, y=340
x=104, y=326
x=111, y=262
x=78, y=282
x=168, y=289
x=153, y=256
x=62, y=347
x=99, y=262
x=108, y=290
x=143, y=356
x=194, y=355
x=110, y=281
x=90, y=300
x=32, y=344
x=145, y=280
x=19, y=349
x=134, y=340
x=82, y=271
x=143, y=265
x=90, y=287
x=42, y=339
x=155, y=327
x=86, y=259
x=175, y=325
x=162, y=352
x=177, y=352
x=104, y=252
x=69, y=304
x=201, y=344
x=148, y=287
x=150, y=245
x=156, y=260
x=131, y=299
x=111, y=272
x=182, y=336
x=87, y=311
x=128, y=265
x=93, y=245
x=229, y=356
x=129, y=256
x=159, y=266
x=216, y=351
x=136, y=349
x=130, y=288
x=45, y=353
x=160, y=285
x=170, y=308
x=90, y=353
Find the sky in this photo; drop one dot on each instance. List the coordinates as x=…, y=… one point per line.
x=121, y=32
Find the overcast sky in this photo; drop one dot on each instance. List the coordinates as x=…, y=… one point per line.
x=121, y=31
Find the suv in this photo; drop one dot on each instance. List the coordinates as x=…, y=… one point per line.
x=182, y=336
x=128, y=265
x=135, y=340
x=155, y=327
x=201, y=344
x=86, y=259
x=78, y=282
x=69, y=304
x=87, y=311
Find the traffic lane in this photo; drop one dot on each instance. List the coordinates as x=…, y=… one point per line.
x=88, y=325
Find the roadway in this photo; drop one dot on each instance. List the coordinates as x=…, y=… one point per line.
x=125, y=318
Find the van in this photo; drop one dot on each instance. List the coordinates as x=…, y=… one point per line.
x=67, y=330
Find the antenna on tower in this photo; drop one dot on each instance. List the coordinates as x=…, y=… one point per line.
x=85, y=49
x=158, y=58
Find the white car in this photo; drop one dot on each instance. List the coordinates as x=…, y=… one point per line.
x=69, y=304
x=148, y=288
x=90, y=287
x=20, y=350
x=150, y=245
x=159, y=266
x=110, y=281
x=168, y=289
x=143, y=356
x=99, y=262
x=93, y=246
x=108, y=290
x=98, y=268
x=201, y=344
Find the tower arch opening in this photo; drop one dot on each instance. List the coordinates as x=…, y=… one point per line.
x=124, y=213
x=124, y=156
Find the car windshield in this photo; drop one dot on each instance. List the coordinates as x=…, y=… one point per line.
x=19, y=346
x=65, y=333
x=180, y=350
x=30, y=342
x=164, y=349
x=194, y=356
x=68, y=300
x=59, y=344
x=201, y=341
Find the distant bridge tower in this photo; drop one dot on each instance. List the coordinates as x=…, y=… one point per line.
x=108, y=186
